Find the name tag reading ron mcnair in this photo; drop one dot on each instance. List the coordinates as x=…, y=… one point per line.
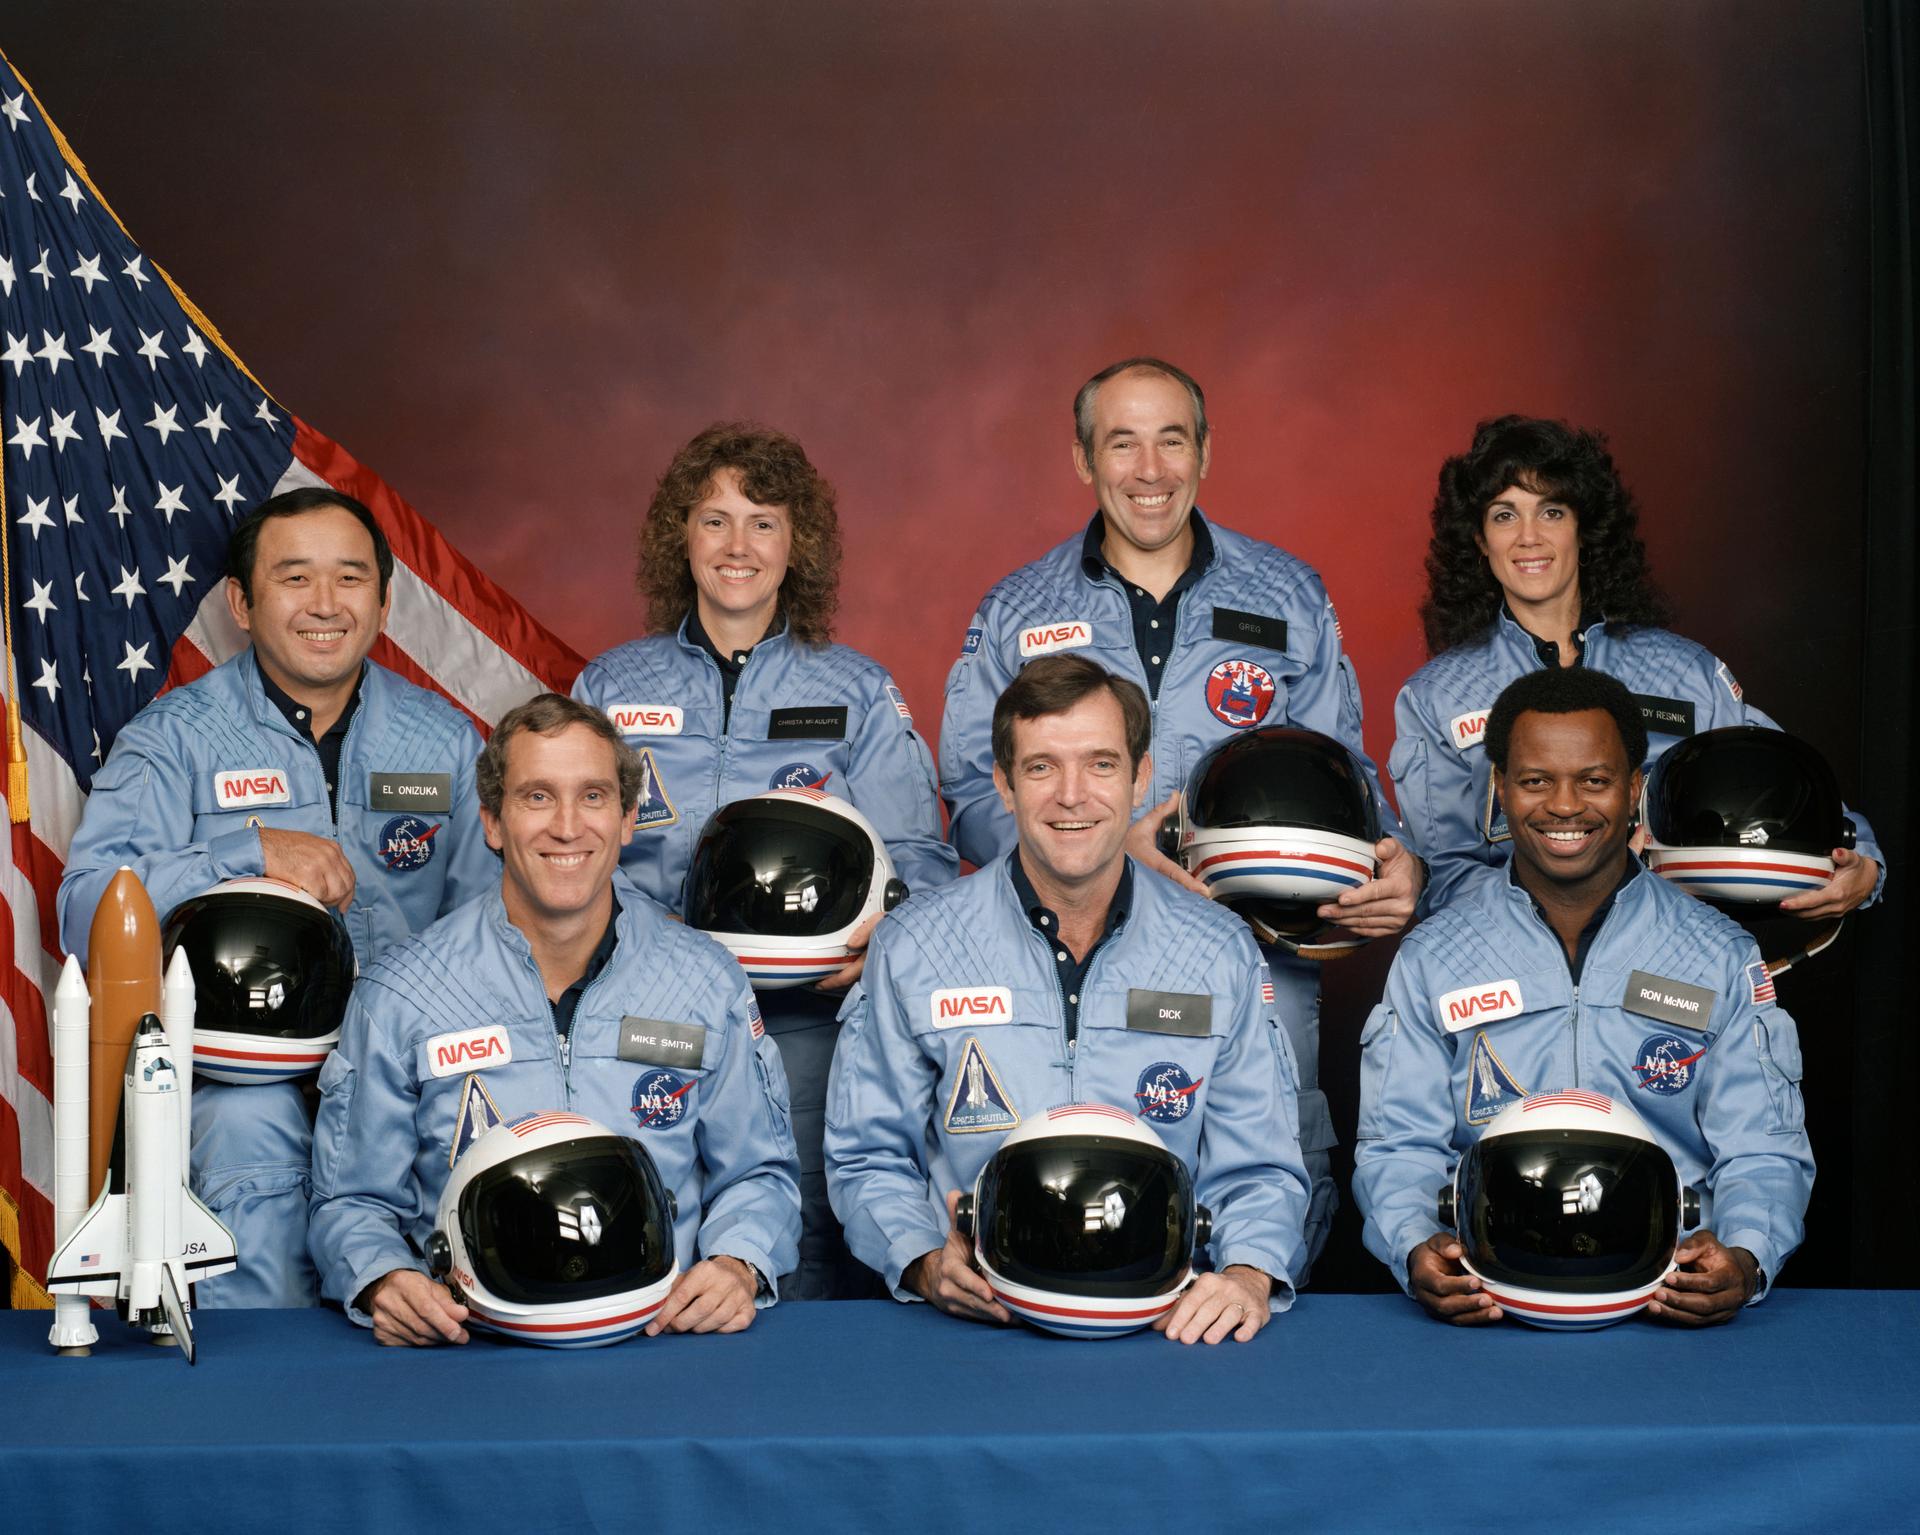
x=1655, y=996
x=650, y=1042
x=431, y=792
x=1170, y=1012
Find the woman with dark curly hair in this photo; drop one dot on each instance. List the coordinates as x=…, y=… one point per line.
x=1536, y=561
x=739, y=571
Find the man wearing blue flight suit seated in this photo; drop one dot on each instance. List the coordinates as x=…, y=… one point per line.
x=1604, y=977
x=1070, y=955
x=1222, y=631
x=544, y=973
x=359, y=790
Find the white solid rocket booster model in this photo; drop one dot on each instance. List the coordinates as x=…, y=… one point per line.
x=146, y=1238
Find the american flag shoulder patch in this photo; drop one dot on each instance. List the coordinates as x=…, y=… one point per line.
x=1761, y=983
x=1266, y=984
x=753, y=1017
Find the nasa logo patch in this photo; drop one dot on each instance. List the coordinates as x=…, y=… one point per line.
x=654, y=809
x=659, y=1099
x=798, y=775
x=1165, y=1092
x=406, y=842
x=1239, y=692
x=1666, y=1064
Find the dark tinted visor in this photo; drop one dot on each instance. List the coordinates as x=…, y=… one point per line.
x=1280, y=777
x=1574, y=1212
x=570, y=1222
x=263, y=965
x=1745, y=787
x=778, y=869
x=1088, y=1216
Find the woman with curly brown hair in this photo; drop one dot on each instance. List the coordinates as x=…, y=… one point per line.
x=736, y=689
x=1536, y=561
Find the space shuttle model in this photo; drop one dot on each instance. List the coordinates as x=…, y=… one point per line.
x=126, y=1033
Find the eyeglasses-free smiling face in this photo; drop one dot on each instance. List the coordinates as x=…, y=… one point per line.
x=1146, y=466
x=316, y=607
x=737, y=551
x=1532, y=545
x=1073, y=793
x=1569, y=796
x=560, y=827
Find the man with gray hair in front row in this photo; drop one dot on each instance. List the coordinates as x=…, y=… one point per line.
x=546, y=968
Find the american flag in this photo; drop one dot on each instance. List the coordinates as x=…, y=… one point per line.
x=133, y=440
x=1760, y=982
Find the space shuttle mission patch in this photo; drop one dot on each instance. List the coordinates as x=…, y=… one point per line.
x=655, y=809
x=478, y=1114
x=1490, y=1086
x=979, y=1103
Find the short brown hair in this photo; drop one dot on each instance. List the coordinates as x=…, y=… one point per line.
x=774, y=471
x=1084, y=397
x=1055, y=684
x=548, y=714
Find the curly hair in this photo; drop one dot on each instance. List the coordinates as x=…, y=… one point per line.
x=1548, y=458
x=774, y=471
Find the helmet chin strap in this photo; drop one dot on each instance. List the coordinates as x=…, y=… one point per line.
x=1823, y=936
x=1316, y=946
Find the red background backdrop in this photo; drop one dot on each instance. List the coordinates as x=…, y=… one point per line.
x=512, y=255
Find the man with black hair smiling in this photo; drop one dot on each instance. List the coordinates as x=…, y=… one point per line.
x=1542, y=978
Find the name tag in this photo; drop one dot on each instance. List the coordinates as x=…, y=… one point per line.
x=1667, y=716
x=653, y=1043
x=1170, y=1012
x=234, y=788
x=647, y=719
x=822, y=724
x=470, y=1050
x=1256, y=628
x=431, y=792
x=1655, y=996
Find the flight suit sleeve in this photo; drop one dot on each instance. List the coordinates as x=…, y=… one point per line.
x=890, y=774
x=880, y=1098
x=1251, y=1174
x=978, y=824
x=1403, y=1148
x=746, y=1150
x=1753, y=1119
x=365, y=1194
x=140, y=814
x=1439, y=805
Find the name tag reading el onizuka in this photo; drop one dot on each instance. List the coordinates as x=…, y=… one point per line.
x=1655, y=996
x=1170, y=1012
x=428, y=792
x=653, y=1043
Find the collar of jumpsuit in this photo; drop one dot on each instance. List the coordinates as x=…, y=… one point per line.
x=1153, y=617
x=300, y=717
x=1072, y=973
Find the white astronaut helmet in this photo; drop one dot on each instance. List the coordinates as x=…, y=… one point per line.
x=554, y=1230
x=272, y=969
x=1276, y=822
x=1084, y=1223
x=784, y=878
x=1569, y=1210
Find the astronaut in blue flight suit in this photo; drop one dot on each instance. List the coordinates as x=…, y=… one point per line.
x=1578, y=968
x=1223, y=632
x=1049, y=976
x=1535, y=562
x=560, y=988
x=738, y=691
x=368, y=805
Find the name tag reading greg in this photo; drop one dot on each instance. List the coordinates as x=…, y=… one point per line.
x=652, y=1043
x=429, y=792
x=1170, y=1012
x=1655, y=996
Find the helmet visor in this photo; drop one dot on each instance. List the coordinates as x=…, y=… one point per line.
x=1745, y=787
x=1580, y=1213
x=1087, y=1216
x=571, y=1222
x=778, y=870
x=1281, y=777
x=263, y=965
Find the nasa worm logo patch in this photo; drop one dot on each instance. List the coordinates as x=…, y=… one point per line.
x=659, y=1099
x=406, y=842
x=1667, y=1064
x=1239, y=692
x=1165, y=1092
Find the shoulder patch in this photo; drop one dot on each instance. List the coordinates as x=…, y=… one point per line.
x=1490, y=1086
x=1487, y=1002
x=979, y=1103
x=1469, y=729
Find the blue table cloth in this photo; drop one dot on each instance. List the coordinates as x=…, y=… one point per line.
x=1350, y=1413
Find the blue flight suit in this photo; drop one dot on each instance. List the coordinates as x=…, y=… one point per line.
x=1439, y=761
x=1482, y=1008
x=1255, y=642
x=718, y=1132
x=801, y=716
x=920, y=1100
x=156, y=806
